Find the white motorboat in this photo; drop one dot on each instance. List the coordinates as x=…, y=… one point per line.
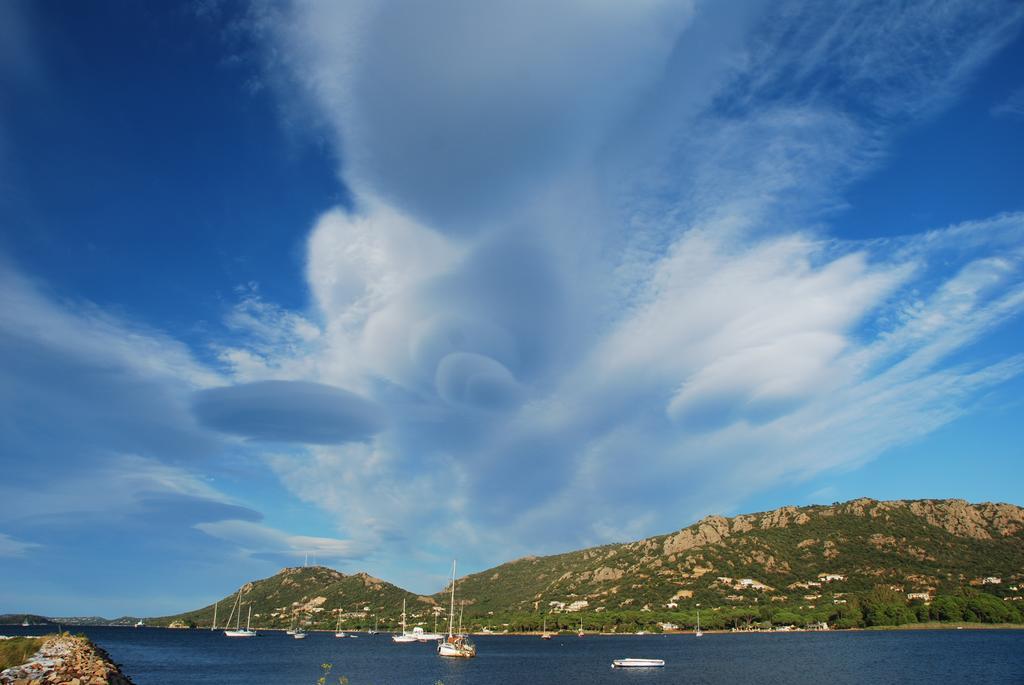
x=422, y=636
x=455, y=646
x=299, y=635
x=638, y=663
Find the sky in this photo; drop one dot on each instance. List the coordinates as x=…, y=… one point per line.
x=384, y=284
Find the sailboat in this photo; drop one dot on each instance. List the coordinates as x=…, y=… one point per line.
x=338, y=632
x=545, y=635
x=698, y=633
x=298, y=633
x=214, y=626
x=25, y=623
x=458, y=646
x=404, y=637
x=581, y=633
x=238, y=632
x=374, y=631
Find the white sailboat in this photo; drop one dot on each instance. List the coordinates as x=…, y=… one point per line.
x=338, y=632
x=298, y=633
x=374, y=631
x=404, y=637
x=238, y=632
x=214, y=626
x=581, y=633
x=545, y=635
x=698, y=633
x=457, y=646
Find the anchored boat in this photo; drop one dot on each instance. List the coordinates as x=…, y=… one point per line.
x=456, y=646
x=239, y=631
x=638, y=663
x=405, y=637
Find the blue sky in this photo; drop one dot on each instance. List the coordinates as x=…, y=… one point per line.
x=390, y=284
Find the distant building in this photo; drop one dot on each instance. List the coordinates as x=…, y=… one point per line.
x=752, y=584
x=991, y=580
x=923, y=596
x=831, y=577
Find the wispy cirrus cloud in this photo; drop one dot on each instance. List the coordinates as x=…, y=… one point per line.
x=11, y=547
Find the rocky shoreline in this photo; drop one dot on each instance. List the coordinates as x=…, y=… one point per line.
x=66, y=660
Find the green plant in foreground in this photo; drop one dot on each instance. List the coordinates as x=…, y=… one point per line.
x=325, y=672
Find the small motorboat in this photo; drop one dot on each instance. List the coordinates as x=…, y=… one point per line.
x=299, y=635
x=638, y=663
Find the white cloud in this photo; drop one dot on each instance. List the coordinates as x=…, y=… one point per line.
x=258, y=539
x=607, y=255
x=505, y=95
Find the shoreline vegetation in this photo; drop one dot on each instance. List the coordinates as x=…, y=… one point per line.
x=16, y=651
x=880, y=607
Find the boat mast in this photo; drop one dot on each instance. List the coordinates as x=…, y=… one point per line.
x=403, y=616
x=214, y=626
x=248, y=619
x=238, y=617
x=451, y=612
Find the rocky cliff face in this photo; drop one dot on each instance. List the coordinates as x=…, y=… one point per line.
x=980, y=521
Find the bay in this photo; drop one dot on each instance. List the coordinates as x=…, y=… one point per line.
x=153, y=656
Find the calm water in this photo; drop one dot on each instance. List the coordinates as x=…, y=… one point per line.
x=151, y=656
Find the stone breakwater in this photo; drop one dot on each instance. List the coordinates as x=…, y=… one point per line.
x=66, y=660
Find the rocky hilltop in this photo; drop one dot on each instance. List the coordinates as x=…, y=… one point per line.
x=312, y=595
x=802, y=558
x=920, y=546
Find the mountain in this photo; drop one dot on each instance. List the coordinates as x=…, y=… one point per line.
x=313, y=595
x=919, y=546
x=810, y=561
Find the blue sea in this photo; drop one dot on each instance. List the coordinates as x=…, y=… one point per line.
x=153, y=656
